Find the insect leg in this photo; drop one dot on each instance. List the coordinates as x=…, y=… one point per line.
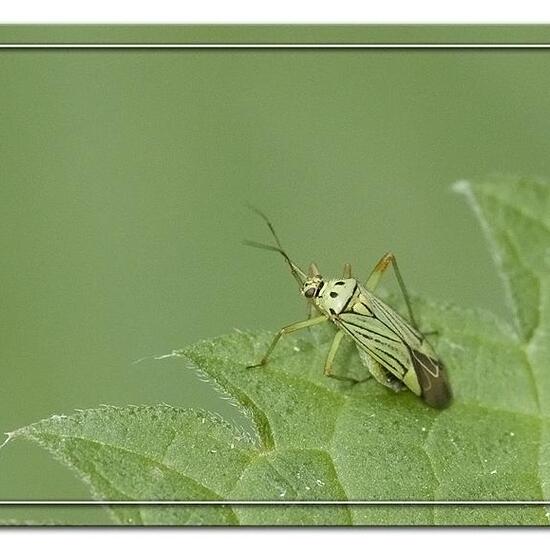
x=287, y=330
x=376, y=275
x=332, y=353
x=347, y=271
x=313, y=312
x=330, y=360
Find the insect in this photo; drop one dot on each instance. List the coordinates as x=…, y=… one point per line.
x=394, y=350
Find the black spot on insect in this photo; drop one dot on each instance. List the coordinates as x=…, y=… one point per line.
x=339, y=283
x=332, y=312
x=321, y=285
x=334, y=294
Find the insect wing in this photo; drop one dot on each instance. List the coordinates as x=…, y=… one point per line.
x=433, y=379
x=391, y=319
x=383, y=345
x=397, y=347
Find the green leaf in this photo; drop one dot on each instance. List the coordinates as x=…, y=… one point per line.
x=317, y=439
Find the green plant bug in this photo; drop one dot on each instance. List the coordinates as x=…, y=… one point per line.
x=393, y=349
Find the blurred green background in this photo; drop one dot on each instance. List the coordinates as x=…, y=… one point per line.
x=123, y=176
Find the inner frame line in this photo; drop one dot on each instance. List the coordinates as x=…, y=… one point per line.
x=277, y=46
x=420, y=46
x=275, y=502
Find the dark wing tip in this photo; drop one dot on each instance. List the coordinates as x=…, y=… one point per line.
x=439, y=396
x=432, y=376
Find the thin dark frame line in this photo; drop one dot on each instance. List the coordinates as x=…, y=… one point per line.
x=304, y=46
x=275, y=502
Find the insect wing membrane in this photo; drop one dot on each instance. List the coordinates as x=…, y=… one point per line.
x=433, y=379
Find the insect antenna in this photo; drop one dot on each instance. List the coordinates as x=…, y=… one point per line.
x=268, y=222
x=297, y=273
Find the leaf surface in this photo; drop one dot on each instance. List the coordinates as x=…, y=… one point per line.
x=318, y=439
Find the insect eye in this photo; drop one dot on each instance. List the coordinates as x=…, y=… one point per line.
x=310, y=292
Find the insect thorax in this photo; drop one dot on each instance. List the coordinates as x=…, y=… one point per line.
x=336, y=295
